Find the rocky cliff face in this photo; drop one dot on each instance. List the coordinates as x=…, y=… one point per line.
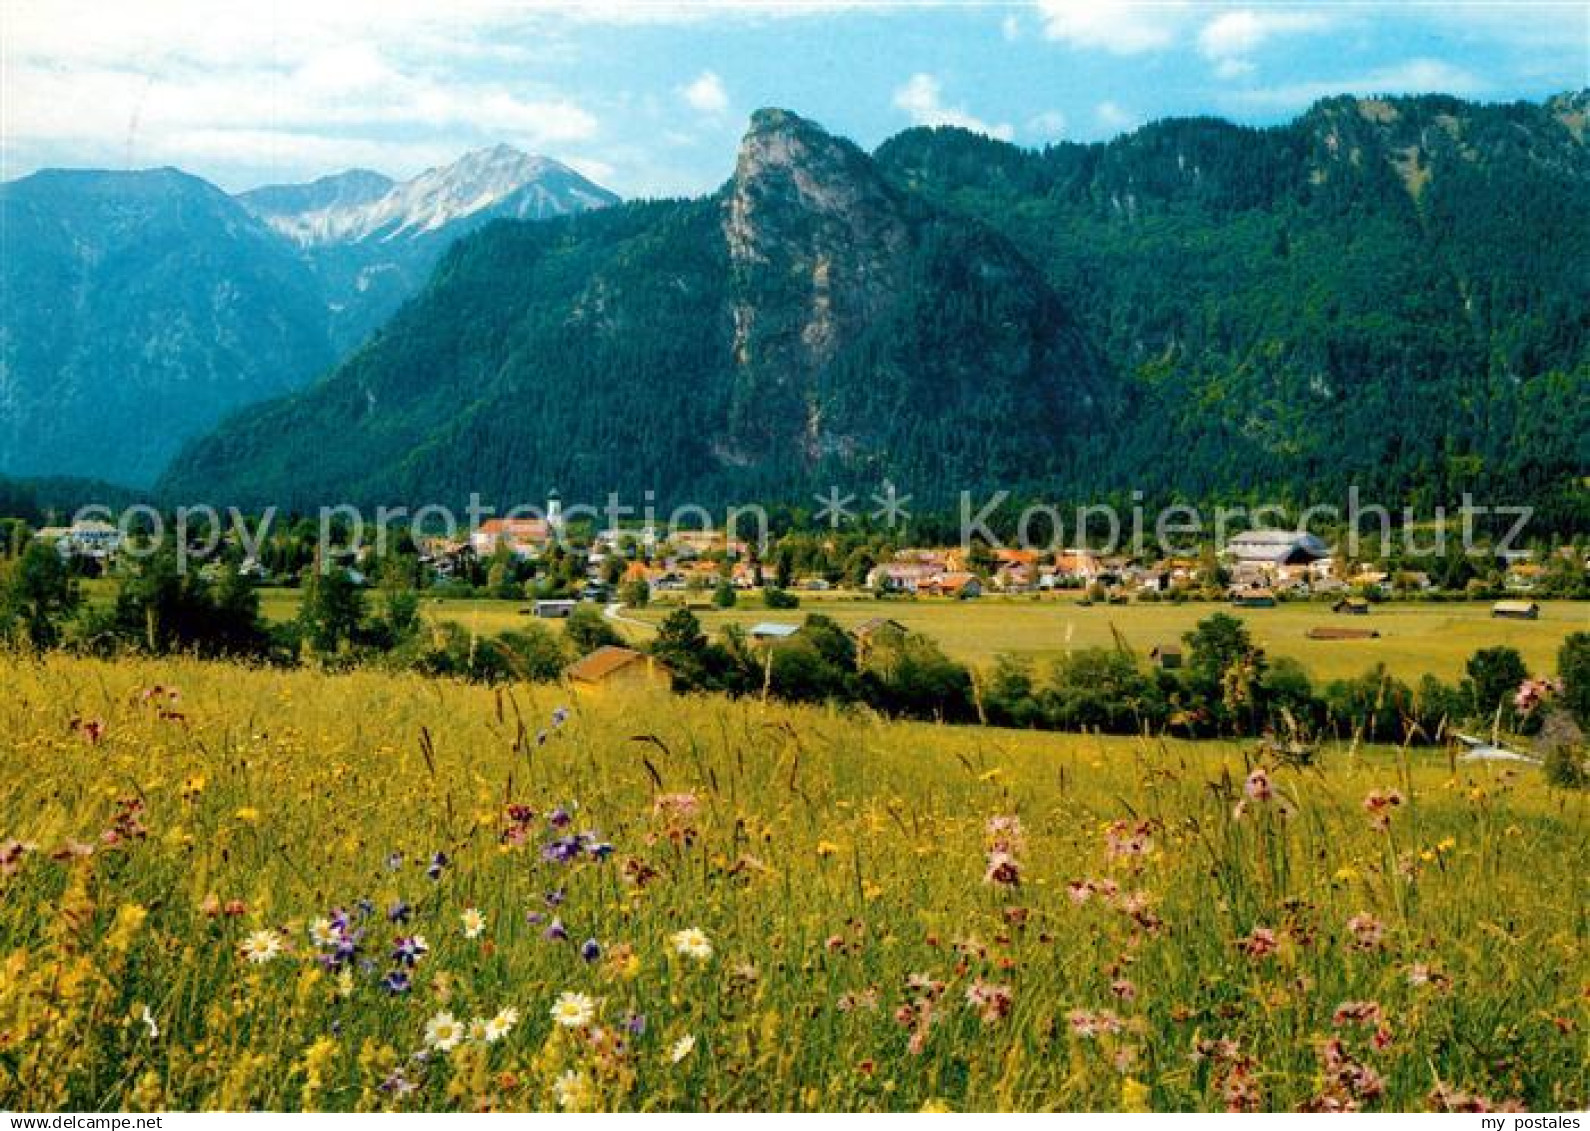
x=817, y=244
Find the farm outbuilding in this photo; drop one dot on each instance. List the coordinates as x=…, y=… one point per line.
x=1516, y=610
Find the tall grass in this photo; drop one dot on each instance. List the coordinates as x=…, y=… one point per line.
x=1146, y=944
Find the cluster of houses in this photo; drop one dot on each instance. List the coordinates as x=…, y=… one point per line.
x=1260, y=566
x=89, y=538
x=1258, y=563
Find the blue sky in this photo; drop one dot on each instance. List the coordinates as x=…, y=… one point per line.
x=650, y=98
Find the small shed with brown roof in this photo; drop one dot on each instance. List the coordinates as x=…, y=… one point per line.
x=615, y=666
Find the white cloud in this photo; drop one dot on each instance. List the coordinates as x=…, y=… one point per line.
x=922, y=99
x=1416, y=76
x=1114, y=117
x=287, y=89
x=706, y=94
x=1230, y=38
x=1047, y=126
x=1234, y=68
x=1117, y=26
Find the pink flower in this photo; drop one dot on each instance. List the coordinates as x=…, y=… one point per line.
x=1258, y=786
x=1379, y=805
x=1260, y=943
x=1367, y=932
x=1002, y=870
x=1356, y=1013
x=993, y=1002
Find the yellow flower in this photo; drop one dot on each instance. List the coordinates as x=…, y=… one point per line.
x=573, y=1091
x=129, y=918
x=248, y=814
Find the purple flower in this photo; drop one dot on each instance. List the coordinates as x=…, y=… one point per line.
x=556, y=932
x=541, y=738
x=597, y=849
x=438, y=862
x=554, y=897
x=559, y=817
x=366, y=908
x=408, y=949
x=635, y=1024
x=397, y=982
x=398, y=1084
x=344, y=952
x=339, y=920
x=560, y=716
x=563, y=850
x=590, y=950
x=534, y=918
x=399, y=912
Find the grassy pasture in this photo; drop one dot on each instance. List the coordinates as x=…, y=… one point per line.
x=1146, y=946
x=1416, y=637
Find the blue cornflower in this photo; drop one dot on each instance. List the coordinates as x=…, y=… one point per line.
x=409, y=949
x=556, y=932
x=396, y=982
x=563, y=850
x=399, y=912
x=590, y=950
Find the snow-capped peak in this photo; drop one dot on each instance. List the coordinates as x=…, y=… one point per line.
x=499, y=180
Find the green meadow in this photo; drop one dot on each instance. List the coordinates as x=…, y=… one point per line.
x=226, y=887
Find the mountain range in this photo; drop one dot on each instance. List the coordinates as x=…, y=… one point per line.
x=1384, y=292
x=140, y=307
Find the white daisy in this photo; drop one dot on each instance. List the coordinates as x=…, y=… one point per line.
x=502, y=1024
x=474, y=923
x=322, y=934
x=692, y=942
x=681, y=1048
x=443, y=1032
x=261, y=946
x=573, y=1010
x=572, y=1091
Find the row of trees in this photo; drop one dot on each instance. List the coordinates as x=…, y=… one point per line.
x=1228, y=686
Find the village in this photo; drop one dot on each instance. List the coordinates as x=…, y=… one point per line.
x=1254, y=570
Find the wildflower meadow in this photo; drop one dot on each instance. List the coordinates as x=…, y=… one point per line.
x=224, y=887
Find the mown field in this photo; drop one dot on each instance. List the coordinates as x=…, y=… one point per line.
x=232, y=888
x=1416, y=637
